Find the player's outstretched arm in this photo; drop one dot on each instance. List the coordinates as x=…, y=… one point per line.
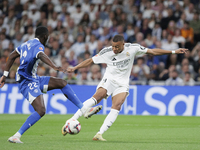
x=9, y=63
x=158, y=51
x=44, y=58
x=83, y=64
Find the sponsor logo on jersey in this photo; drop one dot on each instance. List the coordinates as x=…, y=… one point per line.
x=35, y=90
x=121, y=64
x=114, y=59
x=40, y=48
x=142, y=48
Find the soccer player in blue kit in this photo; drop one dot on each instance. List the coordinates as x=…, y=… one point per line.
x=31, y=85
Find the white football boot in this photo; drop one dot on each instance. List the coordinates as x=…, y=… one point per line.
x=14, y=139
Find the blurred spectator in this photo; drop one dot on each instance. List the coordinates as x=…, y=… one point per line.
x=3, y=41
x=71, y=78
x=4, y=7
x=100, y=46
x=165, y=20
x=139, y=37
x=148, y=11
x=140, y=70
x=3, y=26
x=55, y=48
x=177, y=38
x=171, y=27
x=30, y=34
x=195, y=25
x=40, y=71
x=62, y=75
x=93, y=12
x=72, y=59
x=10, y=19
x=178, y=11
x=85, y=6
x=157, y=31
x=170, y=45
x=53, y=73
x=145, y=29
x=94, y=76
x=58, y=58
x=188, y=34
x=120, y=30
x=53, y=21
x=189, y=12
x=188, y=80
x=77, y=15
x=149, y=40
x=185, y=67
x=180, y=22
x=79, y=46
x=106, y=35
x=33, y=13
x=11, y=77
x=92, y=44
x=152, y=21
x=96, y=30
x=18, y=39
x=197, y=77
x=130, y=31
x=85, y=20
x=108, y=22
x=173, y=79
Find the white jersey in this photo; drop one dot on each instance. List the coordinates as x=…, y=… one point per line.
x=119, y=65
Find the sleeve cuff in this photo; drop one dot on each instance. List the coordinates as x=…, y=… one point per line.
x=38, y=53
x=17, y=51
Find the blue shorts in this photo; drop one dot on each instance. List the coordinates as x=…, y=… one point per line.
x=32, y=88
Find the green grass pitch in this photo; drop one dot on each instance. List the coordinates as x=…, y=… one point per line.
x=127, y=133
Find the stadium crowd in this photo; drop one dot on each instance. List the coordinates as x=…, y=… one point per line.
x=79, y=29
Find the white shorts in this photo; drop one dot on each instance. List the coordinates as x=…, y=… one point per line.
x=113, y=88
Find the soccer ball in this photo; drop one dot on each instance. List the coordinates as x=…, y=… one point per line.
x=72, y=126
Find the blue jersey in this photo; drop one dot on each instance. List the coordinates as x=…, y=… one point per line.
x=28, y=52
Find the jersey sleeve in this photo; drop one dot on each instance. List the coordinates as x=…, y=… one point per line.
x=141, y=50
x=38, y=50
x=101, y=56
x=98, y=59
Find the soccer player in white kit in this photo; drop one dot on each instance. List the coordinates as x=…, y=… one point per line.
x=119, y=59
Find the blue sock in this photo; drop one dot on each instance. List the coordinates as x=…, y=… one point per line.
x=31, y=120
x=72, y=96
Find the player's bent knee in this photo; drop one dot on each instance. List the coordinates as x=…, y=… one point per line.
x=41, y=111
x=56, y=83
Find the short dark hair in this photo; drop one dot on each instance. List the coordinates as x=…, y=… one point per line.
x=41, y=31
x=117, y=38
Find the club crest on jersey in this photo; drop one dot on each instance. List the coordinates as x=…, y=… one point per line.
x=40, y=48
x=127, y=54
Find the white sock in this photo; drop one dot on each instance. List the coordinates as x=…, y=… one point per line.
x=110, y=119
x=17, y=134
x=87, y=104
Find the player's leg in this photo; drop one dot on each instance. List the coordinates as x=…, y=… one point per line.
x=56, y=83
x=88, y=104
x=95, y=99
x=39, y=107
x=117, y=102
